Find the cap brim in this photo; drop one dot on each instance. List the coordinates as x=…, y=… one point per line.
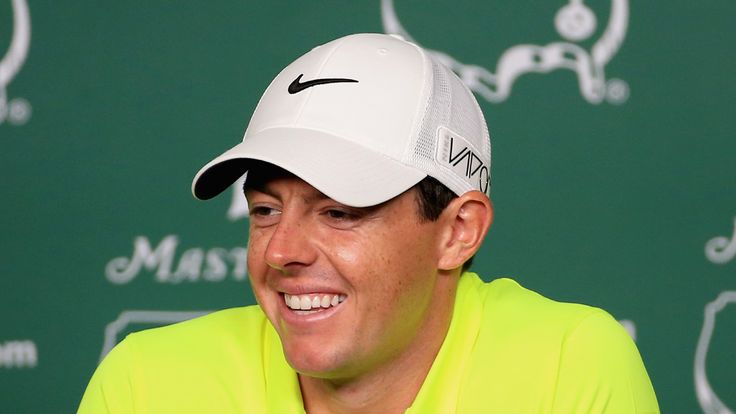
x=342, y=170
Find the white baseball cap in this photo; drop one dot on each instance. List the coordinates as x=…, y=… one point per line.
x=362, y=119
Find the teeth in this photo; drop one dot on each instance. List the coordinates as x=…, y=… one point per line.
x=308, y=302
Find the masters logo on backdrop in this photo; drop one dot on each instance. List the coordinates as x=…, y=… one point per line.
x=575, y=22
x=707, y=397
x=718, y=250
x=194, y=264
x=16, y=111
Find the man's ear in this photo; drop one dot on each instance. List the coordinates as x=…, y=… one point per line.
x=466, y=221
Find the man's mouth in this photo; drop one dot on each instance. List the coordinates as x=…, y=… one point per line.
x=313, y=302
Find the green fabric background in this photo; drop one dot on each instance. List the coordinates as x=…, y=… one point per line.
x=606, y=204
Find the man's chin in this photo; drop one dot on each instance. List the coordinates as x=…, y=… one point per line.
x=310, y=365
x=314, y=363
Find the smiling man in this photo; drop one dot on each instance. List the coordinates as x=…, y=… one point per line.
x=368, y=172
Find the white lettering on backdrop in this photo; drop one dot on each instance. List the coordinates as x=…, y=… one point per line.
x=17, y=111
x=707, y=397
x=720, y=250
x=193, y=265
x=18, y=354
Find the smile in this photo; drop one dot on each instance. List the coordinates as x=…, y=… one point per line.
x=313, y=302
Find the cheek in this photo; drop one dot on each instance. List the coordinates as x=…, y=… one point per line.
x=256, y=263
x=258, y=270
x=348, y=253
x=410, y=250
x=345, y=251
x=398, y=263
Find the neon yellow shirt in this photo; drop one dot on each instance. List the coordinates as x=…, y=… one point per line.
x=508, y=350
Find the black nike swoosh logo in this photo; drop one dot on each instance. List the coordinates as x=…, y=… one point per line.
x=297, y=86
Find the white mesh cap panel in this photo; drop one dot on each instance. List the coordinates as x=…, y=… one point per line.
x=451, y=109
x=435, y=114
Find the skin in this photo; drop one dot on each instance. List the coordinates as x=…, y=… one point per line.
x=398, y=274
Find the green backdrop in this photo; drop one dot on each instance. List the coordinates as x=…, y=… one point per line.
x=614, y=173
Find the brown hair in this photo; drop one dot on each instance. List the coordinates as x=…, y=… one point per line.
x=432, y=198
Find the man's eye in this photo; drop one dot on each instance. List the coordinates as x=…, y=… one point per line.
x=340, y=215
x=263, y=211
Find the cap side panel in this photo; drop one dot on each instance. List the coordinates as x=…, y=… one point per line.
x=453, y=115
x=468, y=121
x=438, y=103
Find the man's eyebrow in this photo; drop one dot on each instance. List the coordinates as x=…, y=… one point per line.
x=264, y=188
x=317, y=196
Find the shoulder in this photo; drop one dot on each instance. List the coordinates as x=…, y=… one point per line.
x=599, y=360
x=220, y=340
x=519, y=318
x=506, y=305
x=563, y=353
x=243, y=324
x=213, y=361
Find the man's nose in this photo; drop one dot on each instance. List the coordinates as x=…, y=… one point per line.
x=290, y=246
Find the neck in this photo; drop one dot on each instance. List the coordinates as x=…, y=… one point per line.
x=392, y=386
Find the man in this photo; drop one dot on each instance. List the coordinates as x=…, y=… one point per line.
x=368, y=167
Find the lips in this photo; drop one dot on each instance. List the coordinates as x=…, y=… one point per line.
x=313, y=301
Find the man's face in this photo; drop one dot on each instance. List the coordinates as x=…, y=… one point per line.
x=362, y=280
